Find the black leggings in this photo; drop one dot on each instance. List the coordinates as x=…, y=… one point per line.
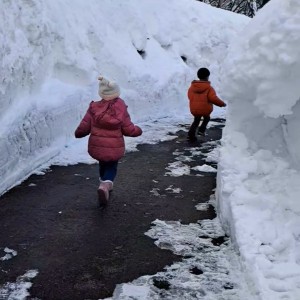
x=195, y=124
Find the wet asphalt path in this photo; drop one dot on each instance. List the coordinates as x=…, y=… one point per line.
x=82, y=252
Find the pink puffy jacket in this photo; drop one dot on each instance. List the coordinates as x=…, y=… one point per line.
x=107, y=122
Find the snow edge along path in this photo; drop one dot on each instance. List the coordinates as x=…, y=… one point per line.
x=208, y=270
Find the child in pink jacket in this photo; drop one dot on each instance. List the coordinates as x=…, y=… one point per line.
x=107, y=121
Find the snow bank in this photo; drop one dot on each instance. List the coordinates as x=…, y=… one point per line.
x=52, y=52
x=259, y=169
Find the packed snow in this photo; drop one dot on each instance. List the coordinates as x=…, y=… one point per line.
x=259, y=169
x=9, y=254
x=51, y=55
x=207, y=271
x=204, y=168
x=18, y=290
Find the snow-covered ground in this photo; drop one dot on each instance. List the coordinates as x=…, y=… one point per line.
x=53, y=51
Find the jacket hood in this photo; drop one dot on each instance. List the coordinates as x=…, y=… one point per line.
x=199, y=86
x=105, y=113
x=99, y=107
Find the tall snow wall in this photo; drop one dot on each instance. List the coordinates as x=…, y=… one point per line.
x=259, y=169
x=53, y=51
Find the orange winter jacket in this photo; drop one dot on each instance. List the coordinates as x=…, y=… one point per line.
x=202, y=96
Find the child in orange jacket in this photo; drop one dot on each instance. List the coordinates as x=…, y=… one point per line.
x=202, y=97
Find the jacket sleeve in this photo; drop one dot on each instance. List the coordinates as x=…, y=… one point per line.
x=128, y=128
x=190, y=93
x=214, y=99
x=84, y=127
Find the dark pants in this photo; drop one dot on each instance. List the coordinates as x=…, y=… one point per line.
x=108, y=170
x=195, y=124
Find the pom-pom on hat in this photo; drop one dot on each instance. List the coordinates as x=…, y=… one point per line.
x=108, y=90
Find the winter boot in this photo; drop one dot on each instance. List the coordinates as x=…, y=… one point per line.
x=109, y=185
x=192, y=139
x=201, y=133
x=103, y=192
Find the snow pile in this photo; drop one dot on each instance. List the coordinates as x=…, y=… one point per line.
x=10, y=253
x=53, y=51
x=18, y=290
x=259, y=169
x=210, y=269
x=205, y=168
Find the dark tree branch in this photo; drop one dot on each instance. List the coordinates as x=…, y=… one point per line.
x=245, y=7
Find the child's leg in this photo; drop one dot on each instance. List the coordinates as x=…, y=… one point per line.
x=194, y=126
x=101, y=170
x=203, y=126
x=108, y=172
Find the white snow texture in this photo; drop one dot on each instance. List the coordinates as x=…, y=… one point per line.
x=259, y=169
x=53, y=51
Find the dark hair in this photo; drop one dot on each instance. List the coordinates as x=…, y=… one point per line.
x=203, y=73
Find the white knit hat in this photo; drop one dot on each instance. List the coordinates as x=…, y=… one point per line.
x=108, y=90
